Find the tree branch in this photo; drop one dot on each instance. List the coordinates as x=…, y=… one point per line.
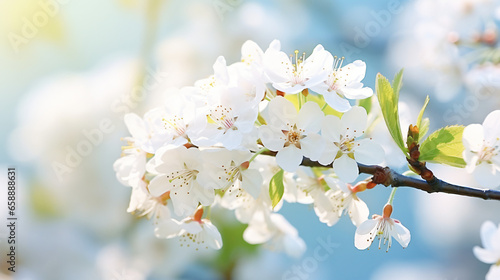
x=389, y=177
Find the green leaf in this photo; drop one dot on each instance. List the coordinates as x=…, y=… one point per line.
x=366, y=103
x=421, y=114
x=388, y=98
x=276, y=188
x=423, y=128
x=444, y=146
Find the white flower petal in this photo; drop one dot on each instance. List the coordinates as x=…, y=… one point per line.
x=281, y=111
x=136, y=126
x=358, y=211
x=346, y=168
x=167, y=228
x=159, y=185
x=331, y=129
x=362, y=238
x=354, y=121
x=484, y=255
x=277, y=66
x=488, y=230
x=336, y=102
x=493, y=273
x=271, y=138
x=310, y=117
x=252, y=182
x=289, y=158
x=329, y=153
x=214, y=239
x=257, y=233
x=312, y=146
x=402, y=235
x=355, y=70
x=368, y=152
x=491, y=127
x=357, y=93
x=473, y=137
x=486, y=175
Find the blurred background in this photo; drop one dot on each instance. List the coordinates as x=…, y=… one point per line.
x=70, y=70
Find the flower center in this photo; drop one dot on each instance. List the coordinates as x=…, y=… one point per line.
x=298, y=68
x=223, y=116
x=346, y=144
x=177, y=125
x=486, y=153
x=183, y=177
x=130, y=148
x=233, y=173
x=332, y=80
x=293, y=136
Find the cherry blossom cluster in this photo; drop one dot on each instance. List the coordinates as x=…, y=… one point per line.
x=222, y=142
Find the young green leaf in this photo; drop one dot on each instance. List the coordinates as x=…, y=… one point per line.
x=421, y=114
x=423, y=128
x=388, y=98
x=276, y=188
x=444, y=146
x=366, y=103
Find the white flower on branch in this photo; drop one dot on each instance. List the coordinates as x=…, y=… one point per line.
x=482, y=150
x=343, y=199
x=490, y=254
x=383, y=227
x=199, y=233
x=345, y=145
x=293, y=77
x=344, y=82
x=239, y=180
x=230, y=120
x=293, y=135
x=182, y=172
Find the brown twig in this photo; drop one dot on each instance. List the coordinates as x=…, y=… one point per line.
x=388, y=177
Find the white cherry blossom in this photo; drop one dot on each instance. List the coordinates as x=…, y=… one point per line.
x=145, y=204
x=182, y=172
x=238, y=179
x=146, y=137
x=490, y=253
x=345, y=145
x=293, y=77
x=309, y=188
x=383, y=227
x=343, y=199
x=293, y=135
x=231, y=119
x=482, y=150
x=182, y=119
x=199, y=233
x=344, y=82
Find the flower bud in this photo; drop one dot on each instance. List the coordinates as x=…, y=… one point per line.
x=387, y=211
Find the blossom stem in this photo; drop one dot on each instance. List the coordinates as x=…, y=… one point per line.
x=324, y=107
x=391, y=198
x=299, y=97
x=258, y=153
